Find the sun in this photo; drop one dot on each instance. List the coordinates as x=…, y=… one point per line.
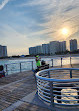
x=65, y=31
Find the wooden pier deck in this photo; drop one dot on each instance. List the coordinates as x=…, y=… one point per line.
x=13, y=88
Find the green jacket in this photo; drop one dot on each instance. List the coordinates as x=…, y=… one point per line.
x=38, y=63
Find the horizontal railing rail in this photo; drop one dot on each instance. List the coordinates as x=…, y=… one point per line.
x=61, y=91
x=11, y=67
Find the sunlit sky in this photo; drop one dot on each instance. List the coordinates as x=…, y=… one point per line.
x=26, y=23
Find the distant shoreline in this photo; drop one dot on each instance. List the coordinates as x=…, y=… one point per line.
x=53, y=56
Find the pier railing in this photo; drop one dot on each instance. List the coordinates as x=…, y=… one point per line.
x=59, y=86
x=31, y=65
x=18, y=67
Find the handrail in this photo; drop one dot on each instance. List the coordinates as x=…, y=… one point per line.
x=52, y=61
x=18, y=62
x=58, y=80
x=52, y=91
x=20, y=66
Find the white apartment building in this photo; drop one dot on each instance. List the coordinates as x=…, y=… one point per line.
x=0, y=51
x=54, y=47
x=45, y=49
x=31, y=50
x=51, y=48
x=3, y=51
x=35, y=50
x=73, y=45
x=62, y=46
x=39, y=50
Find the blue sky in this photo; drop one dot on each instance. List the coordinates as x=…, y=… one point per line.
x=26, y=23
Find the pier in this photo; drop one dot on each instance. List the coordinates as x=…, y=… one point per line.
x=18, y=93
x=14, y=88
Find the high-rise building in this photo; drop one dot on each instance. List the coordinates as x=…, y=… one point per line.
x=73, y=45
x=32, y=51
x=54, y=47
x=39, y=49
x=0, y=51
x=46, y=49
x=62, y=46
x=35, y=50
x=3, y=51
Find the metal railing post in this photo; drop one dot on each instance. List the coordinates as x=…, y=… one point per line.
x=52, y=62
x=70, y=61
x=20, y=66
x=32, y=65
x=70, y=73
x=61, y=61
x=6, y=69
x=49, y=74
x=51, y=95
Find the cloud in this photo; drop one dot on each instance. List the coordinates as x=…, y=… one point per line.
x=69, y=8
x=50, y=15
x=33, y=22
x=4, y=2
x=35, y=3
x=17, y=43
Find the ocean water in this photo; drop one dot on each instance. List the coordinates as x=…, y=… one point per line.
x=26, y=64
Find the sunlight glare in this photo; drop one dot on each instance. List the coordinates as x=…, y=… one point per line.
x=65, y=31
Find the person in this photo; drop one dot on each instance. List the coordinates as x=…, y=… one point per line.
x=40, y=66
x=2, y=73
x=38, y=63
x=44, y=65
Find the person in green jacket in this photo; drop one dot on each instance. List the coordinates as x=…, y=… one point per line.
x=38, y=63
